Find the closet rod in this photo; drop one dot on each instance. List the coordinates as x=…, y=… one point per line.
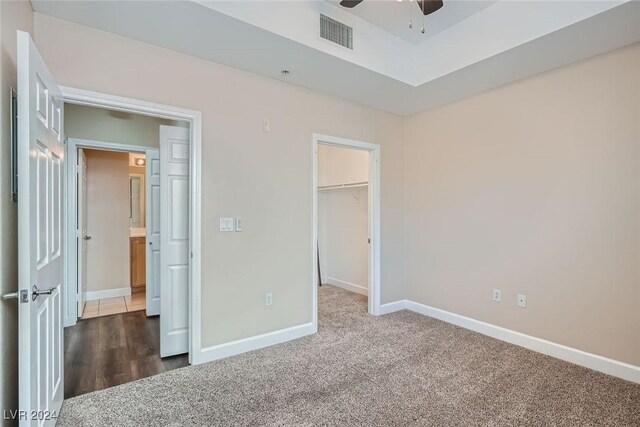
x=352, y=185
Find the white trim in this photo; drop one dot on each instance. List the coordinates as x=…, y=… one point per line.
x=392, y=307
x=107, y=293
x=84, y=97
x=232, y=348
x=352, y=287
x=589, y=360
x=374, y=217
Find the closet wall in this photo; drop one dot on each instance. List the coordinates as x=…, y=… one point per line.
x=343, y=217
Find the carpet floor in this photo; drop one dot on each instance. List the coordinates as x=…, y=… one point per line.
x=396, y=370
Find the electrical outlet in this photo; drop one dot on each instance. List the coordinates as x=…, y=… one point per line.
x=268, y=300
x=497, y=295
x=522, y=301
x=266, y=125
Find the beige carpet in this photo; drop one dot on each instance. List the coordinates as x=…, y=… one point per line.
x=396, y=370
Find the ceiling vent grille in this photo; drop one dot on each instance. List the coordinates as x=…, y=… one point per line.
x=336, y=32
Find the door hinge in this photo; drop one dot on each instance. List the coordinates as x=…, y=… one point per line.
x=77, y=168
x=77, y=233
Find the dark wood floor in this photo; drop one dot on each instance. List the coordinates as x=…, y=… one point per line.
x=106, y=351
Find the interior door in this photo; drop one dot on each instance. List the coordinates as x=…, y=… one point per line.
x=174, y=240
x=81, y=232
x=40, y=231
x=152, y=222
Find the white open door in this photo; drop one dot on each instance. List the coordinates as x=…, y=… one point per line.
x=81, y=231
x=152, y=222
x=40, y=231
x=174, y=240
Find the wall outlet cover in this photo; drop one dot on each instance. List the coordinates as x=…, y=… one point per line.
x=522, y=301
x=497, y=295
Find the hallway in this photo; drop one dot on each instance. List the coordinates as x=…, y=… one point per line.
x=107, y=351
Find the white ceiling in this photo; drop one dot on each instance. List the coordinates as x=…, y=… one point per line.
x=499, y=44
x=394, y=16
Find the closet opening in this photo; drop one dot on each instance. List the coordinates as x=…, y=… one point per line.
x=346, y=225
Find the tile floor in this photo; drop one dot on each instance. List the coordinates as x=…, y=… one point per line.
x=107, y=306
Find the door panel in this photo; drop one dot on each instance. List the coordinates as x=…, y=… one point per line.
x=152, y=221
x=56, y=206
x=174, y=240
x=81, y=230
x=40, y=260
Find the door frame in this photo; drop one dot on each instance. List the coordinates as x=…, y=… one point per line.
x=373, y=211
x=194, y=118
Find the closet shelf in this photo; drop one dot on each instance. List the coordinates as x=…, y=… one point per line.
x=339, y=186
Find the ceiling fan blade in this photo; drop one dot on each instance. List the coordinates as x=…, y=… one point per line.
x=350, y=3
x=429, y=6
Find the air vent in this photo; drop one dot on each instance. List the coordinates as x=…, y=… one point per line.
x=336, y=32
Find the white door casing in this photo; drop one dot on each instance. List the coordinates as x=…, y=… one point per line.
x=174, y=240
x=40, y=231
x=152, y=221
x=81, y=229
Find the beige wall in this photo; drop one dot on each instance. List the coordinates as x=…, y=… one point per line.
x=265, y=178
x=342, y=235
x=98, y=124
x=14, y=15
x=107, y=220
x=533, y=188
x=343, y=216
x=337, y=165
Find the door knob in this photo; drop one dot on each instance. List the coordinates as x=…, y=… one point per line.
x=87, y=237
x=10, y=295
x=23, y=296
x=37, y=292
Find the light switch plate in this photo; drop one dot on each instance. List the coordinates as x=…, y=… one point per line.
x=226, y=224
x=238, y=224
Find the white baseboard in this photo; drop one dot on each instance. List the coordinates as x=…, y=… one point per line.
x=221, y=351
x=392, y=307
x=107, y=293
x=359, y=289
x=593, y=361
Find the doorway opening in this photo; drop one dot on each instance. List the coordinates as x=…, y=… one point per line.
x=111, y=222
x=346, y=219
x=123, y=196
